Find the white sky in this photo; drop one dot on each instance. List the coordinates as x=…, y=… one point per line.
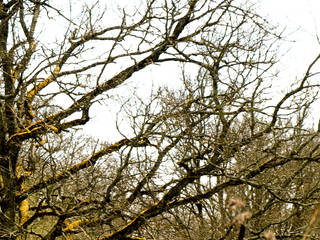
x=302, y=22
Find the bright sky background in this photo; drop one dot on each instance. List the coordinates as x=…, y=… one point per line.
x=302, y=22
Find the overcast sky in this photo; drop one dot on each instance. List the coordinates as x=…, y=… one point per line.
x=302, y=22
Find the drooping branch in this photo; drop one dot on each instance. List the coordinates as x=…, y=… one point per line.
x=77, y=167
x=40, y=126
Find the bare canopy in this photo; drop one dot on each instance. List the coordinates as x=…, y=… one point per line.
x=216, y=158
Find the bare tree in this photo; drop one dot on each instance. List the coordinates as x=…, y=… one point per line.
x=215, y=159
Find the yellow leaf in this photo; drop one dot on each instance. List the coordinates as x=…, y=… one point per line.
x=1, y=183
x=53, y=128
x=27, y=173
x=73, y=225
x=42, y=142
x=24, y=211
x=14, y=76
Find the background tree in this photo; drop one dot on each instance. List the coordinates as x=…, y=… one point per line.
x=215, y=158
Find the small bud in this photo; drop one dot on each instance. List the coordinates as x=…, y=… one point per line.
x=242, y=217
x=269, y=235
x=235, y=204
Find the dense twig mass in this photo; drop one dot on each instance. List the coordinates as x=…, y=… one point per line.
x=218, y=157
